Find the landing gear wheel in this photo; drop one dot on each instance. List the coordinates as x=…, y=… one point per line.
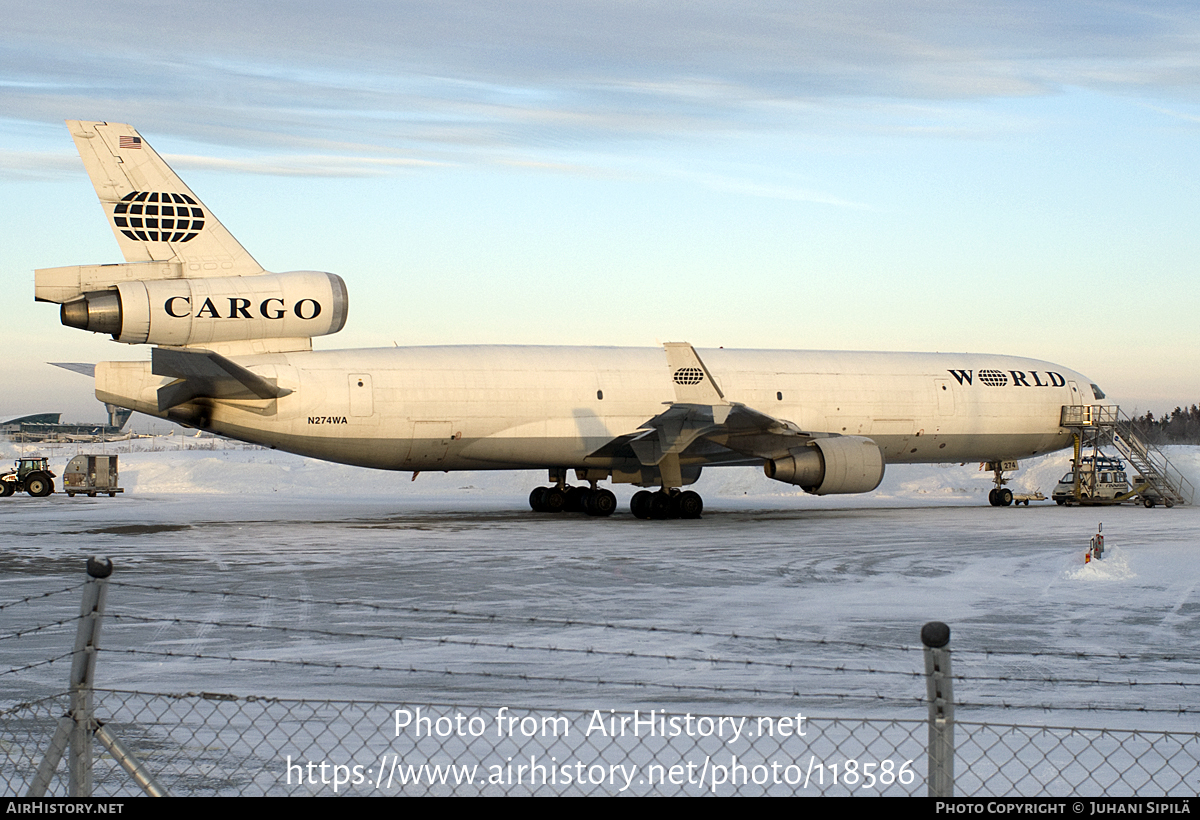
x=639, y=505
x=601, y=503
x=537, y=499
x=577, y=499
x=690, y=505
x=555, y=500
x=1004, y=497
x=992, y=498
x=662, y=506
x=39, y=485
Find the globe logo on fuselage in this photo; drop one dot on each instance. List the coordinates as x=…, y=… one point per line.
x=151, y=216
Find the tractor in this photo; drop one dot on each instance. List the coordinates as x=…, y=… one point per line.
x=31, y=475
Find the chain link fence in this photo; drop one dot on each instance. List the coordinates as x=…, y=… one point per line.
x=214, y=744
x=220, y=745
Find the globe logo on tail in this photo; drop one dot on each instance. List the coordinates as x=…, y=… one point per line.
x=151, y=216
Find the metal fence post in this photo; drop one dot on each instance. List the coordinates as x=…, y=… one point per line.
x=936, y=637
x=77, y=728
x=83, y=675
x=74, y=732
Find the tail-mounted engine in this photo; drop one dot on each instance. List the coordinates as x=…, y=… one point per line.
x=838, y=464
x=179, y=311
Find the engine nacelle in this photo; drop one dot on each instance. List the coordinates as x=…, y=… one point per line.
x=838, y=464
x=299, y=304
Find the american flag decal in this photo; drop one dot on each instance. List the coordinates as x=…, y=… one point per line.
x=130, y=142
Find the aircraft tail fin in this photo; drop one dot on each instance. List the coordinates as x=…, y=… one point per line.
x=155, y=217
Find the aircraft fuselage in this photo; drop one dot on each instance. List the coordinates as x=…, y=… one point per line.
x=501, y=407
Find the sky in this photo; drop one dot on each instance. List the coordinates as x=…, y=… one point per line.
x=1011, y=177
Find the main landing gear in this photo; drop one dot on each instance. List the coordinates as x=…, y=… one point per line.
x=659, y=505
x=669, y=502
x=593, y=501
x=666, y=504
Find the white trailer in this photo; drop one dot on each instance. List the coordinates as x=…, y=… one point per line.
x=91, y=474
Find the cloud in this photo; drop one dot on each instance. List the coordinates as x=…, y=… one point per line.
x=433, y=78
x=320, y=165
x=37, y=165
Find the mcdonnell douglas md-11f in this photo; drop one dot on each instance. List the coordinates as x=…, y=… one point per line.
x=232, y=353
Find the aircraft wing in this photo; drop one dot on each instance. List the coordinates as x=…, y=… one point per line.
x=702, y=412
x=205, y=374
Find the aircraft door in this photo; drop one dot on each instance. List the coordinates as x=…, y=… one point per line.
x=945, y=397
x=1076, y=396
x=362, y=400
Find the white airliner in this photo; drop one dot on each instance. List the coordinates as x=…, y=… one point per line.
x=233, y=354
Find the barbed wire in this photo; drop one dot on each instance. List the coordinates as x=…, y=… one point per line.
x=36, y=664
x=538, y=620
x=473, y=643
x=40, y=627
x=17, y=708
x=39, y=596
x=790, y=666
x=1083, y=707
x=1077, y=655
x=524, y=677
x=531, y=620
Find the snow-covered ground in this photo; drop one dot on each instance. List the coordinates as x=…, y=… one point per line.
x=236, y=566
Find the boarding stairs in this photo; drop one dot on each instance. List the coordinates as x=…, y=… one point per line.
x=1106, y=423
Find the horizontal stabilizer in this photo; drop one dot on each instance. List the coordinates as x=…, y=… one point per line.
x=82, y=368
x=205, y=374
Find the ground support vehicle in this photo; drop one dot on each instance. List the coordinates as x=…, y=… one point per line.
x=91, y=474
x=1150, y=497
x=30, y=474
x=1094, y=480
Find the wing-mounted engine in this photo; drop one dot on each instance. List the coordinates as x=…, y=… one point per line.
x=820, y=464
x=836, y=464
